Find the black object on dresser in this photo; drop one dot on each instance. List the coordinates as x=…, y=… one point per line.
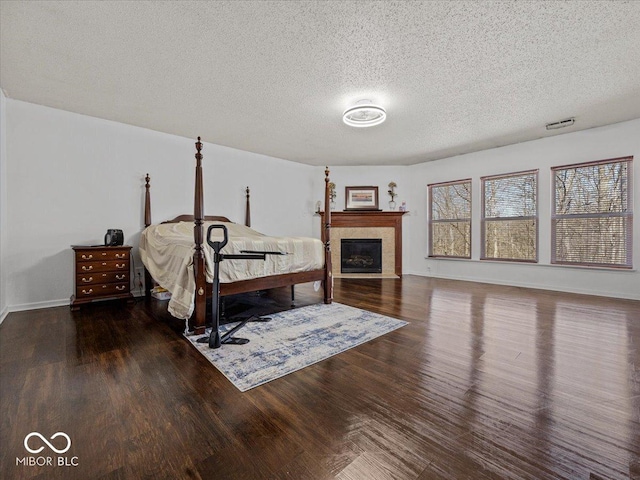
x=101, y=272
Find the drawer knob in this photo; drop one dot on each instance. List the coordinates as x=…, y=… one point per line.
x=87, y=257
x=121, y=266
x=87, y=292
x=120, y=277
x=120, y=287
x=124, y=255
x=87, y=280
x=87, y=267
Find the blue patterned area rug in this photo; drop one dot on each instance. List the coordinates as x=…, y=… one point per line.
x=292, y=340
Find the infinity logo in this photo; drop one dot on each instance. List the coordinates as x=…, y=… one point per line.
x=55, y=435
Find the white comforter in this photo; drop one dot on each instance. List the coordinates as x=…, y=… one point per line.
x=167, y=252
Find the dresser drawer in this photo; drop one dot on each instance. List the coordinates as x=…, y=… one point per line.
x=95, y=255
x=104, y=277
x=107, y=265
x=102, y=290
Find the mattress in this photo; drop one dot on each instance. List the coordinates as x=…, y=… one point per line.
x=167, y=252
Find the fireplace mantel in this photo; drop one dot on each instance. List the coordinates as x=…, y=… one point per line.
x=366, y=218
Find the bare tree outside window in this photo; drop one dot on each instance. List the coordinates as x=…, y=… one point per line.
x=592, y=214
x=450, y=219
x=510, y=217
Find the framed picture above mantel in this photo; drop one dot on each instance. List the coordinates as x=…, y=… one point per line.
x=361, y=198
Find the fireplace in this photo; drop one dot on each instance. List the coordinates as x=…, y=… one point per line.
x=366, y=224
x=361, y=255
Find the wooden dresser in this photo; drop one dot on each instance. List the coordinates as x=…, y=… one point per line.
x=101, y=273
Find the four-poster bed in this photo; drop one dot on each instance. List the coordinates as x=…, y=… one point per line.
x=280, y=274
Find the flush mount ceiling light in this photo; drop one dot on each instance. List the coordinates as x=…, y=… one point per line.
x=364, y=114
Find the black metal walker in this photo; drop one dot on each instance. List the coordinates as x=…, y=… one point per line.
x=215, y=339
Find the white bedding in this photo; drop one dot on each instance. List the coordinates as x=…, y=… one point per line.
x=167, y=252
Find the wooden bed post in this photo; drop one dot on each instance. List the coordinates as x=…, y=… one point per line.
x=148, y=281
x=247, y=212
x=147, y=201
x=328, y=278
x=197, y=320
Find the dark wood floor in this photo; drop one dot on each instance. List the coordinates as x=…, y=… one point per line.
x=485, y=382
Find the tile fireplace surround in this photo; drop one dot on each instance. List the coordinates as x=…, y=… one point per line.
x=368, y=224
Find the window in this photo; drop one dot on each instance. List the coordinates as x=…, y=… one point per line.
x=592, y=214
x=510, y=217
x=450, y=219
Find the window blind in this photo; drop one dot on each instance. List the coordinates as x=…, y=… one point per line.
x=450, y=219
x=592, y=221
x=510, y=217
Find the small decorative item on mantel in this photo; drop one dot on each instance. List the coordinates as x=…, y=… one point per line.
x=332, y=195
x=392, y=193
x=361, y=198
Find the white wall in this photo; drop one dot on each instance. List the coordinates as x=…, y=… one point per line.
x=73, y=177
x=372, y=176
x=3, y=207
x=618, y=140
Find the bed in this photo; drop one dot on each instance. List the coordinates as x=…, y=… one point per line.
x=176, y=256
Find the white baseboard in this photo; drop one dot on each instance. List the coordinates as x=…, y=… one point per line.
x=4, y=314
x=492, y=281
x=48, y=304
x=39, y=305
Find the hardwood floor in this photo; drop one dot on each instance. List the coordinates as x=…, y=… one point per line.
x=485, y=382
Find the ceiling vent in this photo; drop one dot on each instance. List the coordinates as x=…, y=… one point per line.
x=561, y=124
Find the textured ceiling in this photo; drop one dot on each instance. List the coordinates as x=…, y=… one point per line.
x=275, y=77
